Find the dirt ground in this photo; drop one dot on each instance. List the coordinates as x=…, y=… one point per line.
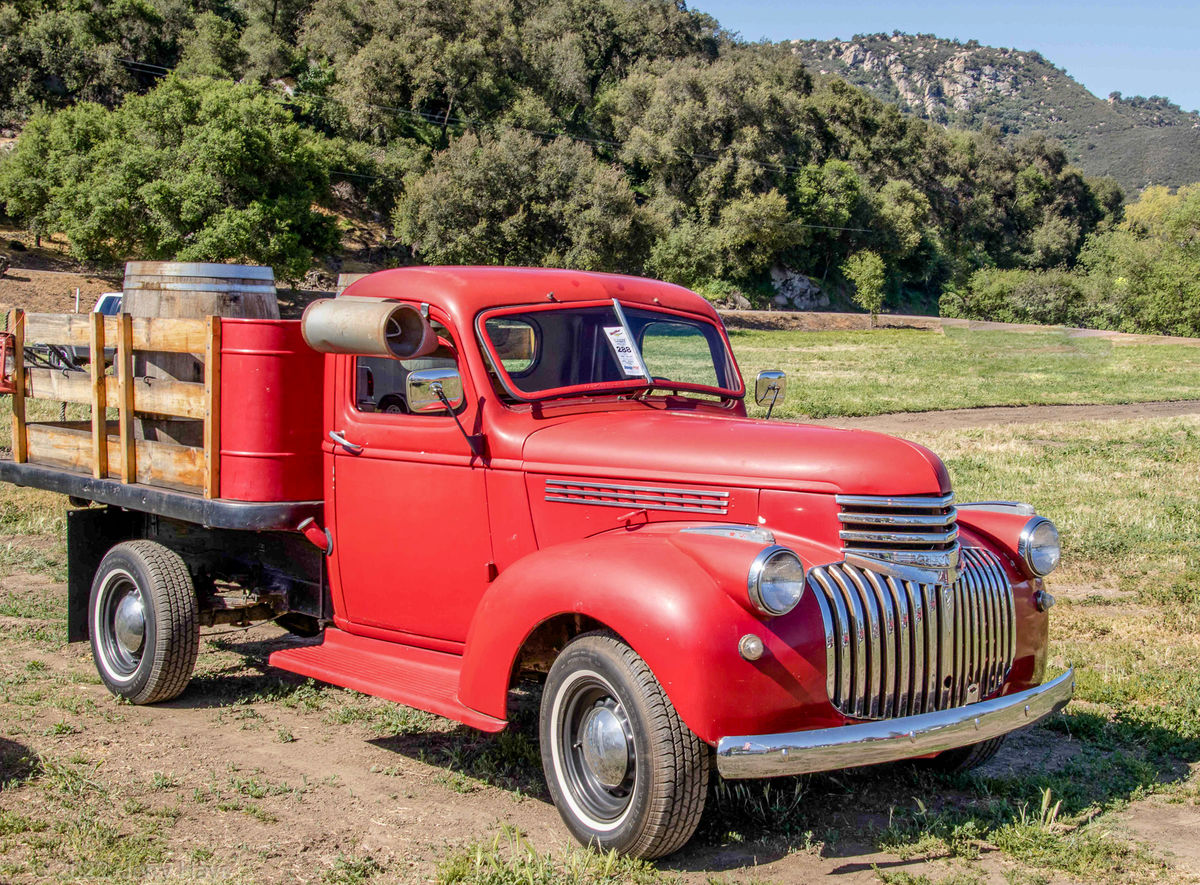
x=257, y=775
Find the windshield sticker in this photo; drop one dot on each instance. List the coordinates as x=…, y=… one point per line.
x=623, y=350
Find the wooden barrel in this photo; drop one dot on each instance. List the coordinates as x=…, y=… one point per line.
x=345, y=279
x=191, y=290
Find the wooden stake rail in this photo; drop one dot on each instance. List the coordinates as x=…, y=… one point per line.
x=109, y=448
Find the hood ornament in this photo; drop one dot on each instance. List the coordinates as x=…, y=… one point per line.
x=920, y=566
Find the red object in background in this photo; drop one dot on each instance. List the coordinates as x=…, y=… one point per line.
x=7, y=343
x=271, y=404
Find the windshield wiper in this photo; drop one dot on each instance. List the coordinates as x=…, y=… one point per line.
x=637, y=353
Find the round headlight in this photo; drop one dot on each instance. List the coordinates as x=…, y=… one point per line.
x=1039, y=546
x=776, y=581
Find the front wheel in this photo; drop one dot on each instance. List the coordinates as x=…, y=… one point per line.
x=144, y=623
x=624, y=771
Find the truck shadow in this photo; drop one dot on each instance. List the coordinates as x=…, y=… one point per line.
x=1084, y=762
x=865, y=817
x=509, y=760
x=245, y=679
x=18, y=763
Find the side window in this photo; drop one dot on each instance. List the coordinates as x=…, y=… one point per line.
x=678, y=352
x=380, y=382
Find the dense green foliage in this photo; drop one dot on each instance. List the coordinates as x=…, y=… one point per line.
x=629, y=135
x=195, y=170
x=1142, y=275
x=864, y=270
x=1138, y=141
x=511, y=198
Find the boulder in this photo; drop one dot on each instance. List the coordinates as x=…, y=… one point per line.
x=796, y=291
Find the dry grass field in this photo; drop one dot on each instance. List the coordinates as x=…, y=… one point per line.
x=257, y=776
x=916, y=370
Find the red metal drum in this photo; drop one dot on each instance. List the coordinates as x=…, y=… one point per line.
x=271, y=402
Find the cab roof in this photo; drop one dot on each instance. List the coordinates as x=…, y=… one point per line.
x=465, y=291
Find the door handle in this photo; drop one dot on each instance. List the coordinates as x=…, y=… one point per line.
x=352, y=448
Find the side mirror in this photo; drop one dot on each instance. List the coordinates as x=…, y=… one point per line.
x=770, y=387
x=421, y=390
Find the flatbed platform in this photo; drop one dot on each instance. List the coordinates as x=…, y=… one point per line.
x=242, y=456
x=217, y=513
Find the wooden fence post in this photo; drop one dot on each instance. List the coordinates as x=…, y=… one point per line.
x=125, y=396
x=99, y=399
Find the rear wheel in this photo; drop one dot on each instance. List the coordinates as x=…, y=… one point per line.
x=144, y=624
x=624, y=771
x=393, y=404
x=965, y=758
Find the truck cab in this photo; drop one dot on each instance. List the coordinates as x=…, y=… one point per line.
x=565, y=483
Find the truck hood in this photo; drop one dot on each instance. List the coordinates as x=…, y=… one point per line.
x=684, y=447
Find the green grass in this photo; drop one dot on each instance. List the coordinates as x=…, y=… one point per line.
x=510, y=860
x=905, y=370
x=1125, y=495
x=73, y=815
x=35, y=514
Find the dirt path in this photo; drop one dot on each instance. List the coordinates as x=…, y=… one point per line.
x=827, y=321
x=274, y=779
x=53, y=291
x=953, y=419
x=258, y=775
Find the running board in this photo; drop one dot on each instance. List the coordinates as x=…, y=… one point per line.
x=415, y=677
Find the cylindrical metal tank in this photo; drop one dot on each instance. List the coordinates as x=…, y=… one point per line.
x=271, y=412
x=367, y=327
x=190, y=290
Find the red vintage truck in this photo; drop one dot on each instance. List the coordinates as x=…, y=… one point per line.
x=564, y=483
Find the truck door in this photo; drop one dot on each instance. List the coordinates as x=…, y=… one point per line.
x=411, y=539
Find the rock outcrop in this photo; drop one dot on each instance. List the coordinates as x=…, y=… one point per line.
x=795, y=291
x=1139, y=141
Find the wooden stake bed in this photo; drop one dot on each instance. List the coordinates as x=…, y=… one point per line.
x=106, y=448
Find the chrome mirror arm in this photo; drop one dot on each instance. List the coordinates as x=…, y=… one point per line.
x=774, y=399
x=473, y=441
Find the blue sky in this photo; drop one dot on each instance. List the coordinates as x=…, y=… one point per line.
x=1148, y=48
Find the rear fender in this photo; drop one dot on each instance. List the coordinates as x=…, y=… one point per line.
x=680, y=602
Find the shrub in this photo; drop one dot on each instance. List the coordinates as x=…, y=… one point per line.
x=1050, y=297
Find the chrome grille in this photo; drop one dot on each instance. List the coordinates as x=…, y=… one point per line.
x=915, y=533
x=637, y=497
x=896, y=647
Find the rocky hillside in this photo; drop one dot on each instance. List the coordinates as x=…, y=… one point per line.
x=1139, y=141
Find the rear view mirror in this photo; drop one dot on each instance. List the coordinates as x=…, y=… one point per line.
x=514, y=340
x=770, y=387
x=423, y=385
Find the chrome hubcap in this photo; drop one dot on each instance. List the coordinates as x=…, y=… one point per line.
x=129, y=624
x=596, y=749
x=119, y=626
x=605, y=749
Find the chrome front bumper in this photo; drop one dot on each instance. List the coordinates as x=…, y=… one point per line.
x=868, y=743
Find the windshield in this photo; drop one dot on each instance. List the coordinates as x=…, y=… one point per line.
x=559, y=350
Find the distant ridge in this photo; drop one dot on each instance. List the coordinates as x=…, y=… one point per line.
x=1138, y=141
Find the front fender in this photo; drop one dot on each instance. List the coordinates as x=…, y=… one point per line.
x=677, y=600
